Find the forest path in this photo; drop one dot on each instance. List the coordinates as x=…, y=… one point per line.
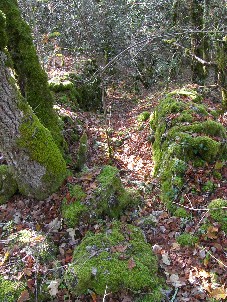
x=131, y=151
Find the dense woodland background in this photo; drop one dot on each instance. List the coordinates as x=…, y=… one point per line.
x=113, y=150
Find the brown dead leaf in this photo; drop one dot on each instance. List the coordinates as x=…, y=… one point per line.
x=219, y=293
x=24, y=296
x=27, y=271
x=131, y=263
x=212, y=232
x=119, y=248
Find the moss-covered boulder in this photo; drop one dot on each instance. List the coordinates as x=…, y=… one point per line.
x=106, y=197
x=10, y=291
x=8, y=185
x=185, y=132
x=218, y=211
x=118, y=258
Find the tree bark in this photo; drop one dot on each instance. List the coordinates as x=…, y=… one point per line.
x=32, y=79
x=27, y=145
x=199, y=42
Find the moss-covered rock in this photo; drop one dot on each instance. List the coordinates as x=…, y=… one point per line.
x=218, y=211
x=107, y=197
x=8, y=185
x=185, y=132
x=10, y=290
x=117, y=258
x=75, y=211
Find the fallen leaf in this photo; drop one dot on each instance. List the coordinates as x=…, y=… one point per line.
x=175, y=280
x=53, y=287
x=118, y=248
x=165, y=259
x=24, y=296
x=212, y=232
x=27, y=271
x=219, y=293
x=6, y=256
x=131, y=263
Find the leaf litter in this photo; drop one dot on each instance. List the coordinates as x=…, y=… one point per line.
x=194, y=273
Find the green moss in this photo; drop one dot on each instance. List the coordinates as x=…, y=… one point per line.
x=58, y=84
x=217, y=213
x=192, y=94
x=187, y=239
x=38, y=142
x=3, y=40
x=144, y=116
x=75, y=211
x=118, y=258
x=8, y=185
x=181, y=213
x=183, y=135
x=82, y=152
x=111, y=197
x=208, y=186
x=10, y=290
x=31, y=77
x=154, y=296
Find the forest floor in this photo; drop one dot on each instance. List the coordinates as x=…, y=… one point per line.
x=196, y=273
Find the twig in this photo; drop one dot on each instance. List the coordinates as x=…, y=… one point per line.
x=105, y=294
x=174, y=296
x=208, y=252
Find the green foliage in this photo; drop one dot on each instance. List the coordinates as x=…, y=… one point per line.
x=217, y=213
x=187, y=239
x=144, y=116
x=10, y=290
x=117, y=257
x=74, y=212
x=87, y=85
x=37, y=140
x=8, y=185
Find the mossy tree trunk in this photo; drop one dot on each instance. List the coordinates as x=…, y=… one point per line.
x=31, y=78
x=222, y=69
x=199, y=41
x=30, y=151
